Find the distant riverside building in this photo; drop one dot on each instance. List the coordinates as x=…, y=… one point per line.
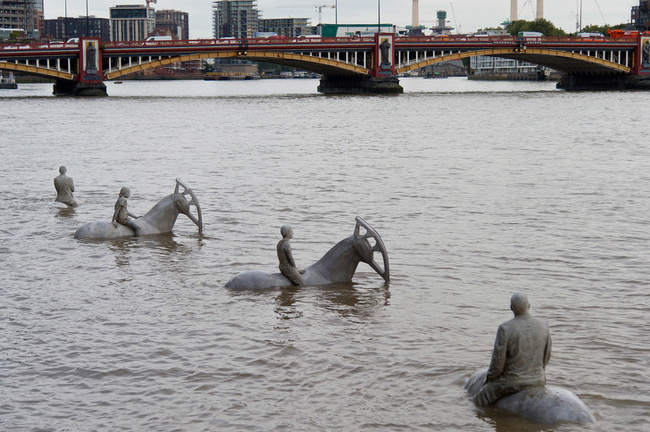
x=176, y=22
x=641, y=16
x=131, y=22
x=65, y=28
x=500, y=66
x=25, y=15
x=289, y=27
x=235, y=18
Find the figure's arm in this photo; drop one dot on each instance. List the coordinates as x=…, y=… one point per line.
x=71, y=185
x=547, y=350
x=498, y=362
x=118, y=206
x=287, y=250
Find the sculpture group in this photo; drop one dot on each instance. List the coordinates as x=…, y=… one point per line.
x=159, y=220
x=515, y=380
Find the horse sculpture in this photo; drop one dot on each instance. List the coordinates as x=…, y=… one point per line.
x=160, y=219
x=542, y=404
x=337, y=265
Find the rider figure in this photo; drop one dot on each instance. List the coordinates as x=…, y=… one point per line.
x=522, y=350
x=287, y=264
x=64, y=187
x=121, y=214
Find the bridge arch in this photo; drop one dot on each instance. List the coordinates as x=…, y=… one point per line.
x=563, y=61
x=36, y=70
x=302, y=61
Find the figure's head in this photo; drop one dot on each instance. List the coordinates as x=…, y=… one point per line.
x=286, y=231
x=125, y=192
x=519, y=304
x=62, y=169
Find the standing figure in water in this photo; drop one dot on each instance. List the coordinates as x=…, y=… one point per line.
x=122, y=215
x=64, y=187
x=287, y=264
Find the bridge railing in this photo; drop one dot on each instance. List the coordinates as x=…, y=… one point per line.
x=510, y=39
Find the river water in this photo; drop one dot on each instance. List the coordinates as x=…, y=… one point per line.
x=478, y=190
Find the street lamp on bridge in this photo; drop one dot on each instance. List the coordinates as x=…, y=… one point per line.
x=378, y=16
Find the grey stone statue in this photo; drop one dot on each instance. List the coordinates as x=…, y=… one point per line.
x=384, y=48
x=159, y=220
x=122, y=216
x=64, y=188
x=521, y=352
x=338, y=265
x=91, y=61
x=287, y=264
x=516, y=380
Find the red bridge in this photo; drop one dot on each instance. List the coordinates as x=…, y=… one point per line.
x=347, y=64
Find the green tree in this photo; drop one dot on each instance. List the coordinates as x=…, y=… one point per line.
x=541, y=25
x=601, y=29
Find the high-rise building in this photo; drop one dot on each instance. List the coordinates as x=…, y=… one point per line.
x=65, y=28
x=289, y=27
x=176, y=22
x=26, y=15
x=131, y=22
x=641, y=16
x=235, y=18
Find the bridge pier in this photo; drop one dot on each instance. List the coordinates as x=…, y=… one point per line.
x=596, y=82
x=359, y=85
x=74, y=88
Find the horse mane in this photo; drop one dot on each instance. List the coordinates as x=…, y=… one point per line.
x=337, y=250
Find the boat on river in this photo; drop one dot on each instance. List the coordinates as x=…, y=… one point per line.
x=8, y=82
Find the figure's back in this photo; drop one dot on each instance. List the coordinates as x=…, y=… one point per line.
x=528, y=349
x=64, y=188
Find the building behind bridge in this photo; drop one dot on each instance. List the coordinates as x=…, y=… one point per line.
x=132, y=22
x=23, y=15
x=176, y=22
x=641, y=16
x=65, y=28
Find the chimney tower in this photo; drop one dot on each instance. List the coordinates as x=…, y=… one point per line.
x=514, y=14
x=415, y=18
x=540, y=9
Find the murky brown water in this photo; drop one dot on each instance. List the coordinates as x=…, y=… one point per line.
x=478, y=190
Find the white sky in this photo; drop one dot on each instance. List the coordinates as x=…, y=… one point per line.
x=468, y=15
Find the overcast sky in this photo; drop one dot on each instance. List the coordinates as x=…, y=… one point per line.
x=466, y=15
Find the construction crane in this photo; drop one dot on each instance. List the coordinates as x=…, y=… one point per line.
x=453, y=12
x=319, y=7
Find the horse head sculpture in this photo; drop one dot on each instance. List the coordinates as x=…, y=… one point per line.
x=338, y=265
x=160, y=219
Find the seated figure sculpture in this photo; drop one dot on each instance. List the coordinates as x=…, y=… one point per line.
x=64, y=188
x=159, y=220
x=522, y=350
x=122, y=216
x=516, y=380
x=287, y=264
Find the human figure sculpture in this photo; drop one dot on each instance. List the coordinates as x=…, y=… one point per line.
x=122, y=215
x=287, y=264
x=384, y=48
x=522, y=350
x=64, y=188
x=91, y=61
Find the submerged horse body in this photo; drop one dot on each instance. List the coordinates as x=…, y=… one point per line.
x=160, y=219
x=542, y=404
x=338, y=265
